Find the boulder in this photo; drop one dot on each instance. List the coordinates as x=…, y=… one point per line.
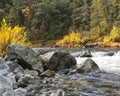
x=57, y=60
x=44, y=50
x=26, y=57
x=48, y=73
x=88, y=66
x=15, y=67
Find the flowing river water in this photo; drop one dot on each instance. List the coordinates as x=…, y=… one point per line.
x=107, y=61
x=105, y=82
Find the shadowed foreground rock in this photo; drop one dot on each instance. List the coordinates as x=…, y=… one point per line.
x=57, y=60
x=7, y=81
x=26, y=57
x=88, y=66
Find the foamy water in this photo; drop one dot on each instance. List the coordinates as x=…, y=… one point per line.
x=106, y=63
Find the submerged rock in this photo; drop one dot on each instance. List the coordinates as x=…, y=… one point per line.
x=88, y=66
x=26, y=57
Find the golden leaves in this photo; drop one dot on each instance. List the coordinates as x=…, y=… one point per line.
x=11, y=35
x=71, y=40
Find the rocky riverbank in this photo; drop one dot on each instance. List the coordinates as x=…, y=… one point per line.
x=28, y=71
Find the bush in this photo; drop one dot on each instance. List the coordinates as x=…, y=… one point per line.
x=114, y=35
x=73, y=40
x=11, y=35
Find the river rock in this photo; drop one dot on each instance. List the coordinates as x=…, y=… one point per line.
x=31, y=72
x=5, y=85
x=20, y=92
x=26, y=57
x=91, y=46
x=58, y=92
x=88, y=66
x=6, y=71
x=15, y=67
x=24, y=80
x=86, y=53
x=33, y=90
x=48, y=73
x=44, y=50
x=57, y=60
x=111, y=53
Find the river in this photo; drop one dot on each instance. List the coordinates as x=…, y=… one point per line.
x=105, y=82
x=108, y=61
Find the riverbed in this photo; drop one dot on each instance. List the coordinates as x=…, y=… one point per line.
x=105, y=82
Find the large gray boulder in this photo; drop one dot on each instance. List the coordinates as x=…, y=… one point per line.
x=26, y=57
x=87, y=66
x=44, y=50
x=57, y=60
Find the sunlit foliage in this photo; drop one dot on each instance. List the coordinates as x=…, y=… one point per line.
x=11, y=35
x=114, y=35
x=71, y=40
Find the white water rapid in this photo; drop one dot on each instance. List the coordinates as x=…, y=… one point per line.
x=107, y=61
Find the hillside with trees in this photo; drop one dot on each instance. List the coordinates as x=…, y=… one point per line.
x=94, y=20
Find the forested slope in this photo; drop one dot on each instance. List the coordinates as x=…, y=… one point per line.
x=95, y=20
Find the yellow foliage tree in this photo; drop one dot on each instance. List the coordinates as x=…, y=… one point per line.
x=73, y=39
x=11, y=35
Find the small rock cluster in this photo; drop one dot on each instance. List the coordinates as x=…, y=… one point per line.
x=23, y=69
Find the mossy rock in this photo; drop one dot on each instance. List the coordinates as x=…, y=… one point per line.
x=86, y=55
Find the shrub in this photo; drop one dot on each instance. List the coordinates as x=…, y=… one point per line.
x=11, y=35
x=107, y=39
x=114, y=35
x=73, y=40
